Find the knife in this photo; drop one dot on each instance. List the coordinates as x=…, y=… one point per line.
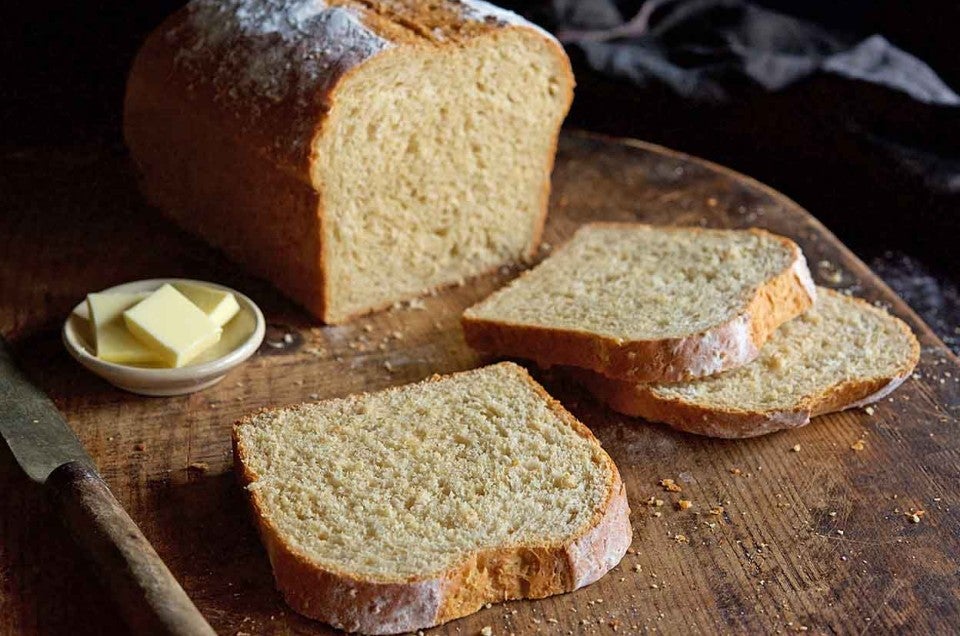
x=148, y=597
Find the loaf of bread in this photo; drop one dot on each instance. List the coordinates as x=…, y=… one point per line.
x=400, y=510
x=841, y=354
x=353, y=153
x=647, y=304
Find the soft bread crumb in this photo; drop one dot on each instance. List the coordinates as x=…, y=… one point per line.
x=423, y=491
x=425, y=160
x=841, y=345
x=641, y=282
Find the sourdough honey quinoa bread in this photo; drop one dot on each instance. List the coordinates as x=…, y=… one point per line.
x=395, y=511
x=645, y=303
x=841, y=354
x=352, y=152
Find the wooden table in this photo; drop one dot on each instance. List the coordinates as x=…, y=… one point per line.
x=817, y=539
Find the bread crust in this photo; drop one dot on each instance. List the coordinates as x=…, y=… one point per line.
x=359, y=604
x=639, y=400
x=726, y=346
x=241, y=176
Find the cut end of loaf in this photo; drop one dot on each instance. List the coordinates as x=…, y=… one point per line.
x=435, y=165
x=403, y=509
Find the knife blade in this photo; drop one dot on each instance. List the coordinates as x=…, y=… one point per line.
x=39, y=437
x=147, y=595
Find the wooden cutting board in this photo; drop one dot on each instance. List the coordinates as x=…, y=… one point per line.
x=813, y=535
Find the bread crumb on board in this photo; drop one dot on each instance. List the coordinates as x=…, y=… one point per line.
x=684, y=504
x=795, y=448
x=915, y=515
x=486, y=630
x=670, y=486
x=859, y=445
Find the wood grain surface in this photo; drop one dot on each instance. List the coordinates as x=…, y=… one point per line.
x=797, y=531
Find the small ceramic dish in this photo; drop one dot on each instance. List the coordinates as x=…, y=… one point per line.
x=241, y=338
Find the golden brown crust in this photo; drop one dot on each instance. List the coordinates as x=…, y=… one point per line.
x=726, y=346
x=488, y=576
x=639, y=400
x=241, y=177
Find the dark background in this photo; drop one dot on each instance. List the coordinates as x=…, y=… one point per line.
x=880, y=170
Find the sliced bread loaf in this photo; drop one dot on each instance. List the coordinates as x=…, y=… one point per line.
x=644, y=303
x=353, y=153
x=842, y=353
x=404, y=509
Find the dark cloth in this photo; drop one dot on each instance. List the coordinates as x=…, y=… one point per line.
x=703, y=49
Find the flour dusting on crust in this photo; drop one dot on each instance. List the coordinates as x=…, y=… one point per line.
x=260, y=54
x=481, y=10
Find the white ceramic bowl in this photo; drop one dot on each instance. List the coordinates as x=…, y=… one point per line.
x=241, y=338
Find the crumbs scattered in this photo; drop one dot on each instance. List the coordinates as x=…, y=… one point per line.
x=736, y=471
x=716, y=511
x=653, y=501
x=670, y=486
x=915, y=515
x=486, y=630
x=830, y=272
x=684, y=504
x=859, y=445
x=637, y=568
x=796, y=448
x=869, y=410
x=681, y=538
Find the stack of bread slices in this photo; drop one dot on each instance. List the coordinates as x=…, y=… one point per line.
x=715, y=332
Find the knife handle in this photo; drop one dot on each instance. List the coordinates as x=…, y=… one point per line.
x=149, y=599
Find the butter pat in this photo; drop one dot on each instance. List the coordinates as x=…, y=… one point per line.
x=167, y=322
x=111, y=339
x=220, y=306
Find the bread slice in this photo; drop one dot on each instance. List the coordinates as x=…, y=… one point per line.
x=352, y=153
x=404, y=509
x=841, y=354
x=646, y=304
